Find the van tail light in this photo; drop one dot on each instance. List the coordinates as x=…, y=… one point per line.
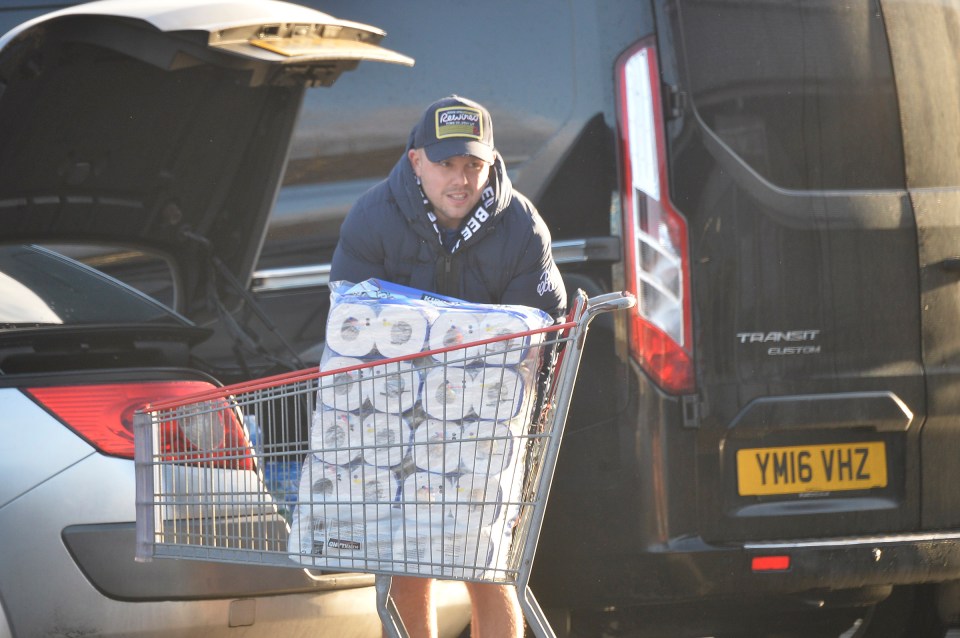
x=657, y=260
x=102, y=415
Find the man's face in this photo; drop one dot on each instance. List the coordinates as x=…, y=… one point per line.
x=453, y=186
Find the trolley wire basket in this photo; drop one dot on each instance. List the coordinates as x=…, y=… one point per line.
x=449, y=479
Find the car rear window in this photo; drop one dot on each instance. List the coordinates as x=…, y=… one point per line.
x=802, y=92
x=40, y=287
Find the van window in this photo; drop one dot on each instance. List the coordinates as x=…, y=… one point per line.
x=802, y=92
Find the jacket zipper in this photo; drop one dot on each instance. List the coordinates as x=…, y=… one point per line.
x=447, y=282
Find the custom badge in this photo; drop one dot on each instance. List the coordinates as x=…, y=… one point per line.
x=459, y=121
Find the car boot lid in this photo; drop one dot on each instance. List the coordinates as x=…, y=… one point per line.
x=162, y=126
x=271, y=30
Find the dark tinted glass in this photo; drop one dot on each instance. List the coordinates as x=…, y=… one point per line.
x=41, y=287
x=803, y=92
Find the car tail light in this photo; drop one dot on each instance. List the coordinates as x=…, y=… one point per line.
x=103, y=416
x=208, y=433
x=657, y=265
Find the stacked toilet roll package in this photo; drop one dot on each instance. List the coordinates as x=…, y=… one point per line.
x=416, y=466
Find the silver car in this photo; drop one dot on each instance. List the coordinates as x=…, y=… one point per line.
x=160, y=129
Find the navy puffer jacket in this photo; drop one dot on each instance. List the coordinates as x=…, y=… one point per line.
x=387, y=235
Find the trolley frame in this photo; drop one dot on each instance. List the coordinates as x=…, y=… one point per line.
x=212, y=506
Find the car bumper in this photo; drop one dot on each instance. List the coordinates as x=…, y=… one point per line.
x=49, y=585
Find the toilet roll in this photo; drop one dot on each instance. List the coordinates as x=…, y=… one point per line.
x=349, y=330
x=486, y=448
x=359, y=493
x=512, y=351
x=335, y=436
x=400, y=330
x=371, y=493
x=447, y=393
x=392, y=387
x=319, y=485
x=456, y=328
x=473, y=502
x=422, y=500
x=495, y=393
x=343, y=390
x=385, y=439
x=436, y=446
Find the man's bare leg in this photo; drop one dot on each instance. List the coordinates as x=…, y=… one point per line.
x=496, y=611
x=412, y=596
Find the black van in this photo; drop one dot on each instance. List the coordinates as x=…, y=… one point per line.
x=772, y=439
x=770, y=442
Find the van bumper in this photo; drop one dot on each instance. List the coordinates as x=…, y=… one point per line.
x=689, y=569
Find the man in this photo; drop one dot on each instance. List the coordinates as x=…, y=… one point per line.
x=447, y=220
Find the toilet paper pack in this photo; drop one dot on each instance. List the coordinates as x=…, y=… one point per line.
x=462, y=326
x=322, y=541
x=345, y=516
x=441, y=429
x=360, y=492
x=367, y=328
x=487, y=392
x=440, y=551
x=409, y=318
x=352, y=385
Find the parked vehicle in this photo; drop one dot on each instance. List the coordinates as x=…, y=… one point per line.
x=163, y=129
x=769, y=441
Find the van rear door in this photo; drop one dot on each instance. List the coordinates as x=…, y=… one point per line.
x=804, y=253
x=926, y=62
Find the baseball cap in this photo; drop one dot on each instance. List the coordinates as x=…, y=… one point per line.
x=455, y=126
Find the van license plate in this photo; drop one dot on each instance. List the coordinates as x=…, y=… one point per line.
x=811, y=468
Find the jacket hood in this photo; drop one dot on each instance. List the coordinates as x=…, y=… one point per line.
x=162, y=126
x=403, y=186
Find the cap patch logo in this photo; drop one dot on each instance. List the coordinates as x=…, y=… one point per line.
x=459, y=121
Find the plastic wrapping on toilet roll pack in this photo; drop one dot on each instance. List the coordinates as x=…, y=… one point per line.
x=438, y=427
x=345, y=515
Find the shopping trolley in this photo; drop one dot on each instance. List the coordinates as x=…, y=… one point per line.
x=298, y=470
